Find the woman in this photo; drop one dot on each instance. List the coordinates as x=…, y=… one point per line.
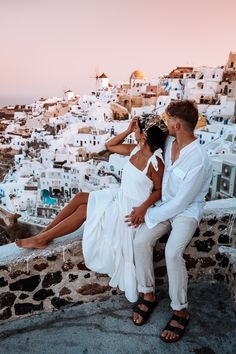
x=107, y=240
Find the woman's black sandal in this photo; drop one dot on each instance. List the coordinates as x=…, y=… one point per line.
x=144, y=314
x=176, y=330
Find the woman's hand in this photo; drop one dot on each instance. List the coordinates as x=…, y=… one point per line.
x=132, y=125
x=136, y=217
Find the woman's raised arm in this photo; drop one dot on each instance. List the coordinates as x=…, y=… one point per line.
x=116, y=143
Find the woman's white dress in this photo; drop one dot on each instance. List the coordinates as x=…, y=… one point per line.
x=107, y=239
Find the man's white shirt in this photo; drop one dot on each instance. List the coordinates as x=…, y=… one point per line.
x=184, y=186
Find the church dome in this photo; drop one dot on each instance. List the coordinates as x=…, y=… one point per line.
x=202, y=122
x=137, y=75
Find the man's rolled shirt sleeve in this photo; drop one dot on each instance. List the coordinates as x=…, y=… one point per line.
x=189, y=188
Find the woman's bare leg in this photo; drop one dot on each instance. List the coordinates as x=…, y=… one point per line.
x=79, y=199
x=66, y=226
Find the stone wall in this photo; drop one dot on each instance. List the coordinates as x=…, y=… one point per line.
x=230, y=253
x=202, y=256
x=46, y=280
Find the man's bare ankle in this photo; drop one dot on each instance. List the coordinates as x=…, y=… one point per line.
x=149, y=297
x=183, y=312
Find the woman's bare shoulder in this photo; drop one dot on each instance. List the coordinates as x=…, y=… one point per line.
x=152, y=171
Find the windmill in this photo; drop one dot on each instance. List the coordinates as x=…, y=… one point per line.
x=96, y=75
x=64, y=92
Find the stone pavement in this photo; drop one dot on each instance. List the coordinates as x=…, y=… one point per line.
x=106, y=327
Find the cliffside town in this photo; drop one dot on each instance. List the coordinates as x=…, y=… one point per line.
x=55, y=147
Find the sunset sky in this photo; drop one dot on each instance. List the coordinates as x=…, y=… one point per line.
x=48, y=46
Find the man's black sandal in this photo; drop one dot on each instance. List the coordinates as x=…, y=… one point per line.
x=176, y=330
x=144, y=314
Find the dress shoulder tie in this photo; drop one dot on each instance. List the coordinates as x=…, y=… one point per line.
x=136, y=149
x=153, y=158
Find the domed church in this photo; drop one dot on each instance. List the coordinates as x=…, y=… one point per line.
x=137, y=75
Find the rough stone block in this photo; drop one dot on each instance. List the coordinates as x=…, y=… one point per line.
x=27, y=284
x=190, y=262
x=158, y=255
x=42, y=294
x=208, y=233
x=225, y=218
x=73, y=277
x=92, y=289
x=224, y=239
x=64, y=291
x=40, y=266
x=17, y=273
x=212, y=221
x=206, y=262
x=58, y=303
x=3, y=282
x=82, y=266
x=222, y=227
x=204, y=246
x=51, y=278
x=7, y=299
x=5, y=314
x=52, y=258
x=222, y=260
x=26, y=308
x=4, y=268
x=197, y=232
x=67, y=266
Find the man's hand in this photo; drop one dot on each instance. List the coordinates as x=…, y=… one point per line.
x=136, y=217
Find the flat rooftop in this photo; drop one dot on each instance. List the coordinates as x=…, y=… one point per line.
x=231, y=158
x=106, y=327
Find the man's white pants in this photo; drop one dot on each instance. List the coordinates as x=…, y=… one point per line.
x=182, y=230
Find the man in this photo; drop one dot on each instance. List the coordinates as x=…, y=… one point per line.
x=186, y=180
